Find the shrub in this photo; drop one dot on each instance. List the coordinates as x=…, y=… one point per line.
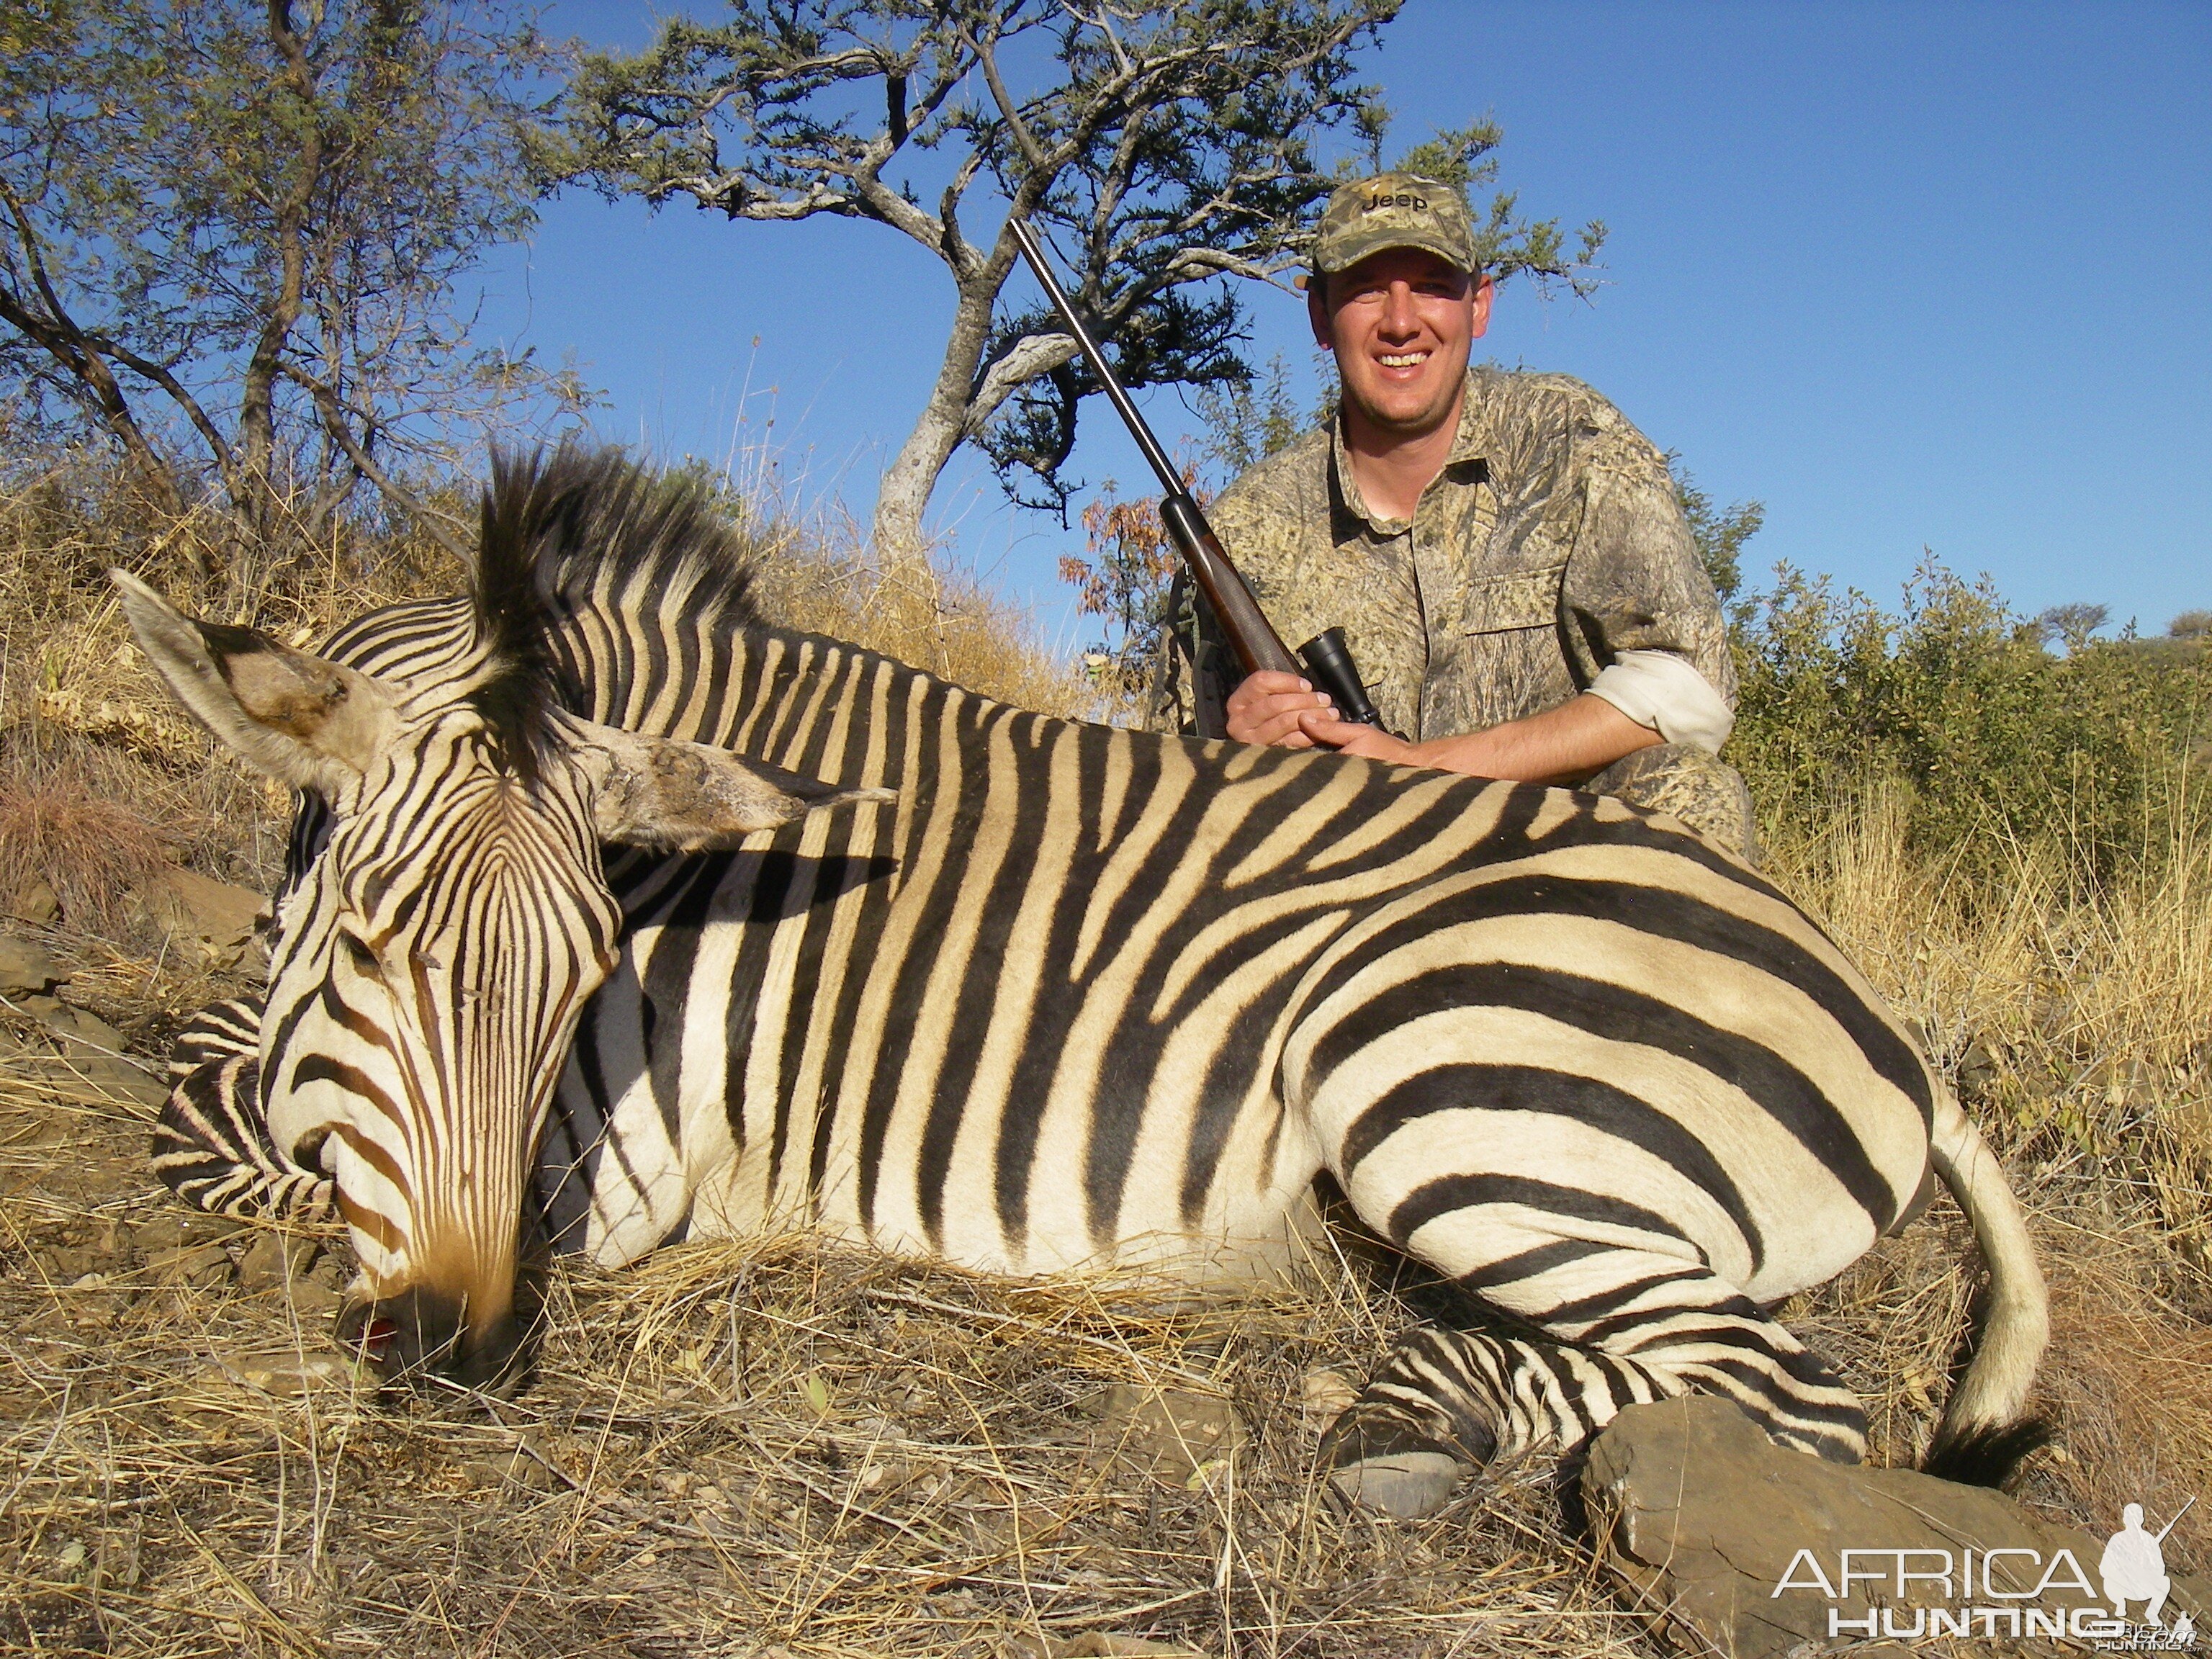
x=1995, y=742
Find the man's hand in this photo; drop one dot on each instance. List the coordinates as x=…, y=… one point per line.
x=1563, y=746
x=1271, y=708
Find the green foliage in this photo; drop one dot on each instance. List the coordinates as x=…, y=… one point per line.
x=1720, y=533
x=230, y=235
x=2072, y=625
x=1507, y=244
x=2190, y=625
x=1127, y=582
x=1955, y=696
x=1159, y=145
x=1247, y=420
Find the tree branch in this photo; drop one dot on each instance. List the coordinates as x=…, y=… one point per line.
x=1031, y=355
x=333, y=410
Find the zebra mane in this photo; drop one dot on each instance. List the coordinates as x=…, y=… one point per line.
x=581, y=530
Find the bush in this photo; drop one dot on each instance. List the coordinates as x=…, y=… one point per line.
x=1995, y=742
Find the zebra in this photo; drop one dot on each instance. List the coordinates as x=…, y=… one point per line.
x=617, y=916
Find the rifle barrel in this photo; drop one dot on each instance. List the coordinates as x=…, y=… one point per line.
x=2176, y=1522
x=1032, y=250
x=1251, y=634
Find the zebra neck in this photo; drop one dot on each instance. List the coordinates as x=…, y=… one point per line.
x=812, y=705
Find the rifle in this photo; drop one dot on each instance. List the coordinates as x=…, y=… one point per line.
x=2178, y=1514
x=1251, y=637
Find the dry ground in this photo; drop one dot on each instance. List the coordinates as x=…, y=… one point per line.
x=781, y=1449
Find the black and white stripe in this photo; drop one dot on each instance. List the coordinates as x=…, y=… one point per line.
x=1086, y=998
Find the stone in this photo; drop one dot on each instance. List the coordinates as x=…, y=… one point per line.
x=274, y=1259
x=1326, y=1394
x=1403, y=1484
x=311, y=1300
x=1732, y=1545
x=290, y=1374
x=1172, y=1434
x=201, y=1266
x=173, y=1228
x=25, y=967
x=35, y=902
x=1977, y=1072
x=217, y=916
x=1098, y=1645
x=92, y=1051
x=523, y=1465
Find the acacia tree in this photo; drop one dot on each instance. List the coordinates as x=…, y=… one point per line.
x=231, y=232
x=1160, y=144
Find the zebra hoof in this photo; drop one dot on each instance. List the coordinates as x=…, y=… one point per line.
x=1405, y=1484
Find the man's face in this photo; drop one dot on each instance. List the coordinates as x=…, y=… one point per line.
x=1401, y=323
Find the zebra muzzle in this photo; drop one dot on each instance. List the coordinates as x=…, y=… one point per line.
x=421, y=1339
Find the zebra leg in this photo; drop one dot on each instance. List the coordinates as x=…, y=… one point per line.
x=1638, y=1325
x=211, y=1144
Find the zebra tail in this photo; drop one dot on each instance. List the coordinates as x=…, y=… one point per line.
x=1985, y=1430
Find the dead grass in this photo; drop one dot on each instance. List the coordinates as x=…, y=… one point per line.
x=2078, y=1026
x=791, y=1450
x=88, y=848
x=774, y=1450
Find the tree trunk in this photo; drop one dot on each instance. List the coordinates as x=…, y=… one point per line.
x=913, y=471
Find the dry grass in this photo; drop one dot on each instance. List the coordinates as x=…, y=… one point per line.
x=788, y=1449
x=87, y=848
x=779, y=1448
x=2079, y=1026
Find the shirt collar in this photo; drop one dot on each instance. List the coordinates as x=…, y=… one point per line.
x=1467, y=445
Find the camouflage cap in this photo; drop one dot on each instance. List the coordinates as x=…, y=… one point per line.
x=1394, y=210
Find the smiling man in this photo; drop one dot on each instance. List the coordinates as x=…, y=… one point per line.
x=1504, y=551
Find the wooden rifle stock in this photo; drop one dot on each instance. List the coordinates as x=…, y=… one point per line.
x=1251, y=636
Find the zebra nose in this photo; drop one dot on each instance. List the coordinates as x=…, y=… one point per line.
x=422, y=1338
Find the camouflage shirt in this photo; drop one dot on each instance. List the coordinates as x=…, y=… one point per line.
x=1550, y=542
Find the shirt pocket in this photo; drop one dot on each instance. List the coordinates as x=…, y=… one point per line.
x=1513, y=600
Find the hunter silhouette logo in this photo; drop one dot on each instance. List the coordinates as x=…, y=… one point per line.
x=2134, y=1567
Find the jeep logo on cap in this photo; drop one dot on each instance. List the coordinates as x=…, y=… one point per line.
x=1403, y=199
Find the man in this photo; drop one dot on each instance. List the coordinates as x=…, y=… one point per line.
x=1504, y=551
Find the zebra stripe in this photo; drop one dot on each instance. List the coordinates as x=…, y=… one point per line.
x=1087, y=997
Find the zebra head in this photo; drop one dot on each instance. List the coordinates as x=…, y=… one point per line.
x=435, y=959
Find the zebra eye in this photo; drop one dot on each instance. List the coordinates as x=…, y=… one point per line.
x=358, y=952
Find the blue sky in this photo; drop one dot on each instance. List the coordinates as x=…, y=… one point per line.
x=1913, y=275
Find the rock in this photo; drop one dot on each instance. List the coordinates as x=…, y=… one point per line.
x=1733, y=1545
x=175, y=1227
x=524, y=1465
x=1097, y=1644
x=1326, y=1394
x=274, y=1259
x=93, y=1051
x=1171, y=1433
x=34, y=902
x=290, y=1374
x=311, y=1300
x=1977, y=1072
x=69, y=1263
x=201, y=1266
x=216, y=916
x=25, y=967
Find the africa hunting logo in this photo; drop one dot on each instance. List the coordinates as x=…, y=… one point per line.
x=1900, y=1595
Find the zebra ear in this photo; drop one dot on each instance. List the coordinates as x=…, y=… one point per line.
x=691, y=798
x=303, y=720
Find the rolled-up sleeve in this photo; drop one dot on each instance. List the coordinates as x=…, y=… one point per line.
x=1634, y=581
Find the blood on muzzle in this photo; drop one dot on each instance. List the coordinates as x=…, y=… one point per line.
x=421, y=1339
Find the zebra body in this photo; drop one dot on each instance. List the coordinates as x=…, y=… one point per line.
x=1079, y=998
